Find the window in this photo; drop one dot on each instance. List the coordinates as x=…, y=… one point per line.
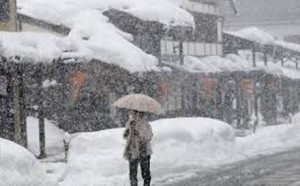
x=4, y=10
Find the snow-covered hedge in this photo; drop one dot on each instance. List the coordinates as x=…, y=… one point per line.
x=18, y=167
x=97, y=157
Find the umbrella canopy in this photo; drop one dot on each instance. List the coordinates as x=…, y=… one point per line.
x=140, y=103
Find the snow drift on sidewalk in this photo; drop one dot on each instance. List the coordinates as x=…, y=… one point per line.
x=19, y=167
x=269, y=140
x=177, y=143
x=54, y=138
x=180, y=145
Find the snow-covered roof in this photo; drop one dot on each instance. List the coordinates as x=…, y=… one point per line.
x=262, y=37
x=232, y=63
x=60, y=11
x=104, y=40
x=40, y=47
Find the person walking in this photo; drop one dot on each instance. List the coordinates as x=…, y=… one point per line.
x=138, y=134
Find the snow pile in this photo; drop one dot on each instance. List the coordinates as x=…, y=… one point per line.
x=20, y=168
x=108, y=43
x=40, y=47
x=47, y=83
x=180, y=146
x=177, y=143
x=54, y=138
x=211, y=138
x=268, y=140
x=255, y=34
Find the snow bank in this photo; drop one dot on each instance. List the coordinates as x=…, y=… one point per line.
x=268, y=140
x=177, y=143
x=54, y=138
x=40, y=47
x=106, y=42
x=174, y=137
x=19, y=167
x=180, y=145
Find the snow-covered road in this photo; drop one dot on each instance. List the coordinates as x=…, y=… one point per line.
x=277, y=169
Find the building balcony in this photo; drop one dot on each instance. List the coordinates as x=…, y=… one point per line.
x=198, y=49
x=198, y=7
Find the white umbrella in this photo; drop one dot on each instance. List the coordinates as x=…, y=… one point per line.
x=140, y=103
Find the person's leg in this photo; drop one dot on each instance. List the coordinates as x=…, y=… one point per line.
x=145, y=167
x=133, y=166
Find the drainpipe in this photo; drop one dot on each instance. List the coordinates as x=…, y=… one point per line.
x=181, y=56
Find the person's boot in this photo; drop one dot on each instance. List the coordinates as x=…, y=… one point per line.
x=133, y=183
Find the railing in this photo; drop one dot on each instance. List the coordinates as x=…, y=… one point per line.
x=203, y=8
x=170, y=47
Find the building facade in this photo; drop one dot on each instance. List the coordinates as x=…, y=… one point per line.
x=8, y=15
x=206, y=38
x=279, y=18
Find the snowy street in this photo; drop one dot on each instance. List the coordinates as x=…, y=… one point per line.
x=278, y=169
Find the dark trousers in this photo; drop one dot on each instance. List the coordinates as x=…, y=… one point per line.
x=145, y=168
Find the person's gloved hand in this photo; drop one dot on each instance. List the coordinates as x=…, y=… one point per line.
x=135, y=132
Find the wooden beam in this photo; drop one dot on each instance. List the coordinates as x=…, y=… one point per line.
x=41, y=116
x=254, y=56
x=16, y=104
x=282, y=61
x=181, y=56
x=21, y=82
x=265, y=58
